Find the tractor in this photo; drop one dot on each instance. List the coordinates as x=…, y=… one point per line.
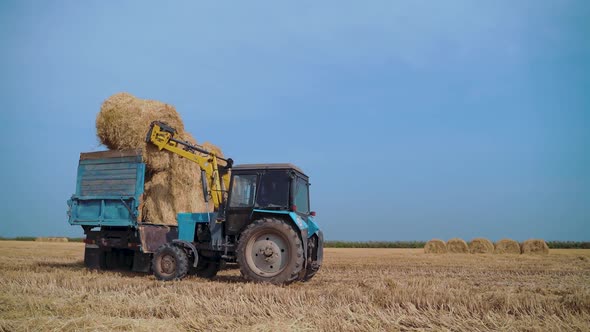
x=261, y=220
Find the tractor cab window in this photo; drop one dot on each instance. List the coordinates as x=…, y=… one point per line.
x=274, y=190
x=243, y=191
x=302, y=196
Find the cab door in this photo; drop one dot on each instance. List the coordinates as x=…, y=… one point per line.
x=301, y=197
x=240, y=202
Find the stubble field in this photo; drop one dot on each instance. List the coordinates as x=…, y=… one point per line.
x=44, y=286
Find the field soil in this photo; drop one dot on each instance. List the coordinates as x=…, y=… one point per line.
x=44, y=286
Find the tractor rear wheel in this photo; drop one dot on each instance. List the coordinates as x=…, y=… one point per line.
x=170, y=262
x=270, y=250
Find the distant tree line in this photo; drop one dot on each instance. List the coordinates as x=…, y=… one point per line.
x=568, y=245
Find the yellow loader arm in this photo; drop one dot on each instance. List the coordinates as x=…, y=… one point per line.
x=162, y=136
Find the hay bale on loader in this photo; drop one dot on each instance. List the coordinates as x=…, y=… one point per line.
x=507, y=246
x=457, y=246
x=481, y=246
x=535, y=247
x=123, y=122
x=435, y=246
x=172, y=184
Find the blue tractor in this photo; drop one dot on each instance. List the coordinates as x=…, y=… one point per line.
x=262, y=220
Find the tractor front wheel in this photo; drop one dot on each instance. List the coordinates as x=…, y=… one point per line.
x=170, y=262
x=270, y=250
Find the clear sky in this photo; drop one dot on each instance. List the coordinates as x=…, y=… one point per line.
x=414, y=119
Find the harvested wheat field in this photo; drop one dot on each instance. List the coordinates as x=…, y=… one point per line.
x=44, y=286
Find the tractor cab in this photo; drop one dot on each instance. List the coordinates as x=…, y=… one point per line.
x=280, y=188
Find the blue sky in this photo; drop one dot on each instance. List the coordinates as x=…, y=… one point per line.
x=414, y=119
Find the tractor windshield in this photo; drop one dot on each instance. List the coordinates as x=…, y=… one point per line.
x=274, y=190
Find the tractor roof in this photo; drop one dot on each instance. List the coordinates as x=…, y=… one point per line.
x=249, y=167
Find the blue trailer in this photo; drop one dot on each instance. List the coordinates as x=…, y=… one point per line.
x=106, y=202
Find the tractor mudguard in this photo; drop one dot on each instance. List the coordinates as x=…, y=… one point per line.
x=312, y=227
x=308, y=227
x=189, y=246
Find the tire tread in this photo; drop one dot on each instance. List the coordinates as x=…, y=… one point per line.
x=181, y=261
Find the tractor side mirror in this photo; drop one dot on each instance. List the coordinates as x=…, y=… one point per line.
x=312, y=213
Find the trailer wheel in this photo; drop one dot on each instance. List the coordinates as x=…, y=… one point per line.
x=109, y=260
x=94, y=259
x=270, y=250
x=170, y=262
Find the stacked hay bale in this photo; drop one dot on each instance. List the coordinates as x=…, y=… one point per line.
x=534, y=247
x=172, y=184
x=457, y=246
x=507, y=246
x=435, y=246
x=481, y=246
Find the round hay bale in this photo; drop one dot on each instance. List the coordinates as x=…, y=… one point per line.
x=507, y=246
x=435, y=246
x=535, y=247
x=123, y=122
x=481, y=246
x=457, y=246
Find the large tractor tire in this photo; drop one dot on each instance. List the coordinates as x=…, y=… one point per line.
x=270, y=251
x=170, y=262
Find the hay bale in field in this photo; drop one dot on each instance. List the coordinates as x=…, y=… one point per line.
x=52, y=239
x=481, y=246
x=172, y=184
x=457, y=246
x=435, y=246
x=535, y=247
x=507, y=246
